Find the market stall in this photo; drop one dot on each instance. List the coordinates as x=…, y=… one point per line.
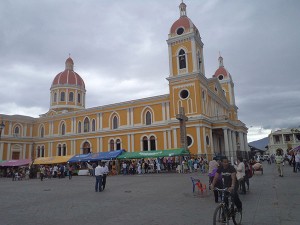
x=52, y=160
x=19, y=162
x=154, y=154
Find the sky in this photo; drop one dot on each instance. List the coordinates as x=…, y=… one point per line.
x=119, y=49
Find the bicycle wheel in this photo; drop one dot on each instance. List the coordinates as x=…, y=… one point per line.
x=220, y=217
x=237, y=216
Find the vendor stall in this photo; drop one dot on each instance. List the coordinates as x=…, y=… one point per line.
x=52, y=160
x=19, y=162
x=154, y=154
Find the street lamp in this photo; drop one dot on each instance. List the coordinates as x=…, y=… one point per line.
x=2, y=125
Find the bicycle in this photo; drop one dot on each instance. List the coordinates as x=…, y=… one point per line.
x=226, y=209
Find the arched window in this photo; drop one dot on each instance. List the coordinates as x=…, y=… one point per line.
x=86, y=125
x=118, y=144
x=17, y=131
x=148, y=118
x=182, y=59
x=78, y=98
x=63, y=129
x=55, y=97
x=62, y=96
x=115, y=122
x=152, y=143
x=79, y=127
x=64, y=150
x=93, y=125
x=111, y=145
x=59, y=150
x=43, y=152
x=42, y=132
x=39, y=151
x=145, y=144
x=71, y=97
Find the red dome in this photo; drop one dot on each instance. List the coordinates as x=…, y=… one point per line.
x=184, y=22
x=221, y=71
x=68, y=76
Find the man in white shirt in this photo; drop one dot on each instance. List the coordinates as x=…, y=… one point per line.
x=105, y=172
x=99, y=170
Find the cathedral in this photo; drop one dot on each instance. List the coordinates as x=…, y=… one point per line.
x=146, y=124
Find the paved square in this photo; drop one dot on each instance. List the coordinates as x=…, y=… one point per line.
x=144, y=199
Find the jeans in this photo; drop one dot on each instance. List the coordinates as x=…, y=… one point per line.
x=104, y=181
x=98, y=183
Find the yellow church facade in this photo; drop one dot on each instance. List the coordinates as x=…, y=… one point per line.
x=146, y=124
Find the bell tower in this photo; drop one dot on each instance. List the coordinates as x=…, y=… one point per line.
x=186, y=65
x=185, y=46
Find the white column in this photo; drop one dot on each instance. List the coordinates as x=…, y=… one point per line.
x=246, y=142
x=242, y=145
x=100, y=121
x=234, y=144
x=168, y=110
x=165, y=139
x=50, y=148
x=1, y=150
x=230, y=145
x=175, y=138
x=9, y=152
x=131, y=117
x=128, y=117
x=24, y=151
x=169, y=139
x=211, y=141
x=132, y=143
x=198, y=140
x=30, y=151
x=100, y=144
x=9, y=128
x=226, y=142
x=204, y=142
x=194, y=55
x=163, y=108
x=25, y=130
x=170, y=59
x=128, y=142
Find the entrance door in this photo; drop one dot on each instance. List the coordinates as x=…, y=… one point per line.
x=15, y=155
x=86, y=148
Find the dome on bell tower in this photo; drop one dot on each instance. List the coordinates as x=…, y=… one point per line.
x=183, y=24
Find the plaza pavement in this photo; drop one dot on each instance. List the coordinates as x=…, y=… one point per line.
x=151, y=199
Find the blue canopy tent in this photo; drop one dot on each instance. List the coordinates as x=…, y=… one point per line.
x=106, y=155
x=96, y=156
x=80, y=158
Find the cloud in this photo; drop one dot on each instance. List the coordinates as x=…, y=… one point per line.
x=119, y=48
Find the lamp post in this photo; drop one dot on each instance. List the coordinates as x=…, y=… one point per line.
x=2, y=125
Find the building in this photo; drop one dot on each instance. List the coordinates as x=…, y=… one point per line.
x=286, y=139
x=144, y=124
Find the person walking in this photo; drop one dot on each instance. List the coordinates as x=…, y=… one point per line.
x=42, y=173
x=212, y=169
x=297, y=161
x=228, y=173
x=70, y=172
x=99, y=170
x=279, y=160
x=105, y=172
x=240, y=175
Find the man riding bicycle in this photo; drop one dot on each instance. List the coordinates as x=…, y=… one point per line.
x=228, y=173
